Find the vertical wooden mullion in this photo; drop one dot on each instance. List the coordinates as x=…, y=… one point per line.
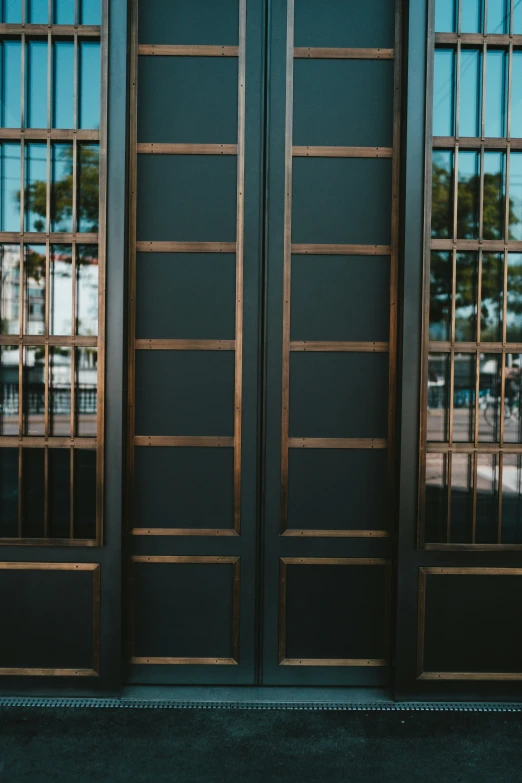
x=133, y=137
x=394, y=271
x=287, y=263
x=102, y=261
x=238, y=390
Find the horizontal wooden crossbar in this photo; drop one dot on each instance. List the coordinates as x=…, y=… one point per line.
x=31, y=339
x=488, y=245
x=32, y=442
x=342, y=250
x=475, y=142
x=447, y=347
x=337, y=443
x=338, y=347
x=34, y=238
x=62, y=30
x=183, y=441
x=186, y=247
x=165, y=50
x=342, y=152
x=185, y=345
x=326, y=53
x=336, y=533
x=187, y=149
x=42, y=134
x=434, y=447
x=478, y=39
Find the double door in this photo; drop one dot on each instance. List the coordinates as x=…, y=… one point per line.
x=262, y=341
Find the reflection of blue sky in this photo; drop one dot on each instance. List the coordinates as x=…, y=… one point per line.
x=90, y=80
x=10, y=186
x=10, y=64
x=38, y=11
x=472, y=16
x=63, y=11
x=36, y=100
x=63, y=84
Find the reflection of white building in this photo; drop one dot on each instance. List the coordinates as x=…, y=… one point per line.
x=9, y=289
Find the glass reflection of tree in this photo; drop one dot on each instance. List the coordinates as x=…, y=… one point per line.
x=440, y=271
x=62, y=189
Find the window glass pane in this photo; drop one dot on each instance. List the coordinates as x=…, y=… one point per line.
x=10, y=163
x=442, y=191
x=486, y=531
x=61, y=187
x=470, y=92
x=34, y=288
x=11, y=69
x=443, y=93
x=90, y=12
x=436, y=502
x=90, y=80
x=464, y=397
x=440, y=296
x=445, y=16
x=471, y=16
x=512, y=499
x=33, y=492
x=438, y=396
x=461, y=498
x=498, y=16
x=515, y=196
x=87, y=290
x=9, y=289
x=12, y=11
x=8, y=493
x=36, y=96
x=468, y=195
x=63, y=84
x=59, y=493
x=37, y=12
x=88, y=187
x=489, y=397
x=60, y=318
x=494, y=194
x=9, y=389
x=34, y=390
x=466, y=297
x=514, y=299
x=492, y=297
x=60, y=391
x=516, y=95
x=84, y=493
x=86, y=391
x=517, y=18
x=63, y=11
x=513, y=399
x=35, y=186
x=496, y=94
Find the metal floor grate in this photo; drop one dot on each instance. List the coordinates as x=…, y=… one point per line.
x=58, y=703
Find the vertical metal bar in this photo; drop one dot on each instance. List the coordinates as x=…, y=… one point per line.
x=71, y=496
x=451, y=396
x=499, y=498
x=23, y=83
x=455, y=192
x=46, y=492
x=133, y=137
x=50, y=11
x=485, y=18
x=459, y=17
x=457, y=93
x=75, y=139
x=20, y=491
x=481, y=197
x=50, y=84
x=73, y=348
x=240, y=230
x=76, y=13
x=476, y=401
x=102, y=260
x=48, y=380
x=48, y=291
x=287, y=263
x=448, y=498
x=511, y=15
x=509, y=96
x=74, y=418
x=483, y=92
x=474, y=467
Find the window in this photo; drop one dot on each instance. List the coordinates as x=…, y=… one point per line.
x=52, y=262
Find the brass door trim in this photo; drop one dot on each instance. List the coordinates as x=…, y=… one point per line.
x=186, y=149
x=167, y=50
x=185, y=247
x=94, y=568
x=342, y=250
x=331, y=561
x=342, y=152
x=333, y=53
x=421, y=623
x=236, y=595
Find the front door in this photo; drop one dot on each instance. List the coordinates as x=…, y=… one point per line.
x=262, y=341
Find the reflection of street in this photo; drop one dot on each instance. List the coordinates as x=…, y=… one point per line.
x=463, y=426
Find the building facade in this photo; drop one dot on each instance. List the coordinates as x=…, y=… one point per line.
x=261, y=345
